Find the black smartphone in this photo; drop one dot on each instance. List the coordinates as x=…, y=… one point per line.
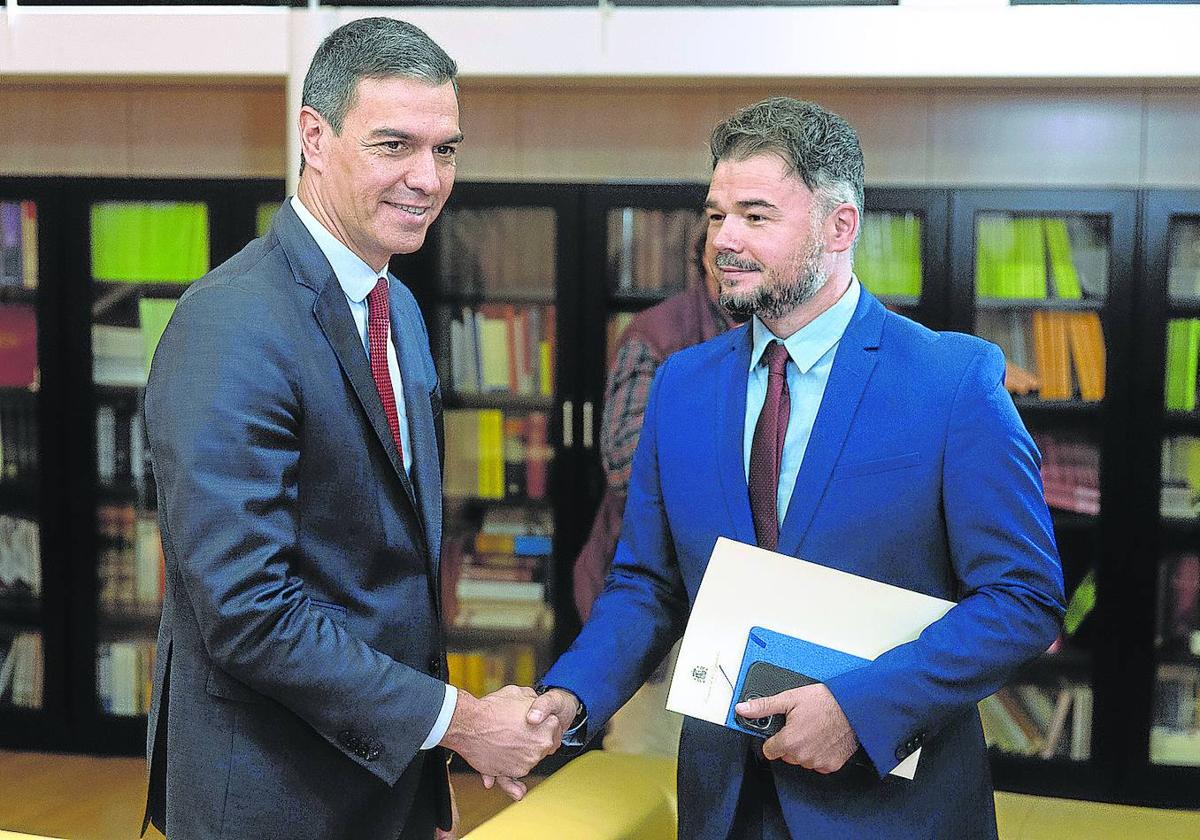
x=764, y=679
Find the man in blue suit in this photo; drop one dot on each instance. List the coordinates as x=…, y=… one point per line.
x=294, y=418
x=829, y=429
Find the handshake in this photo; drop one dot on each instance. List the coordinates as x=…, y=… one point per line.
x=506, y=733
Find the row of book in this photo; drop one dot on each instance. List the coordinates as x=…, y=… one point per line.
x=18, y=346
x=498, y=251
x=1175, y=727
x=122, y=450
x=1058, y=355
x=1070, y=473
x=1183, y=354
x=1017, y=257
x=1180, y=478
x=130, y=572
x=20, y=559
x=125, y=676
x=501, y=348
x=495, y=576
x=483, y=671
x=21, y=670
x=121, y=356
x=887, y=258
x=149, y=241
x=18, y=244
x=18, y=438
x=493, y=455
x=652, y=250
x=1183, y=272
x=1033, y=720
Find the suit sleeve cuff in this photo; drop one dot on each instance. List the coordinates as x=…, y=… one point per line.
x=443, y=719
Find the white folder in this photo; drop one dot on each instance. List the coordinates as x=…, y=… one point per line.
x=745, y=586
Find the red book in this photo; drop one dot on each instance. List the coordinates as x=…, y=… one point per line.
x=537, y=456
x=18, y=346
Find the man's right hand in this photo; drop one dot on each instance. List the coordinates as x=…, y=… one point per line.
x=492, y=734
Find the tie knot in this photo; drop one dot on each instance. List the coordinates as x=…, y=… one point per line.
x=776, y=357
x=378, y=295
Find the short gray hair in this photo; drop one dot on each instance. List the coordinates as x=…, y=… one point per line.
x=370, y=48
x=818, y=146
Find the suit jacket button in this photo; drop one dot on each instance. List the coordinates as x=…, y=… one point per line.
x=346, y=739
x=435, y=665
x=901, y=753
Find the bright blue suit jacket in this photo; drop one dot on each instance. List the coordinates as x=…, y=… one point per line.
x=919, y=473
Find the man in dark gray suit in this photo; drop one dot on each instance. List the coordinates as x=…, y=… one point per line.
x=295, y=424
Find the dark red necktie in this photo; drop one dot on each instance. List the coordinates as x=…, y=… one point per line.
x=377, y=333
x=766, y=451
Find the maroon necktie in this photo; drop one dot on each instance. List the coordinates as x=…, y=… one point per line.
x=766, y=451
x=377, y=332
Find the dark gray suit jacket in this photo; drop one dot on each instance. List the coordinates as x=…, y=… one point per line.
x=300, y=654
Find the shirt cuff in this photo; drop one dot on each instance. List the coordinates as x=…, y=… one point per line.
x=443, y=719
x=575, y=736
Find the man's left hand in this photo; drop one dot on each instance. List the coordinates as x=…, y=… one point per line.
x=816, y=736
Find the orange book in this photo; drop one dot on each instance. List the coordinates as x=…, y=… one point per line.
x=1087, y=351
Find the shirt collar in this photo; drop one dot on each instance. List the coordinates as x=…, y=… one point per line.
x=808, y=344
x=356, y=278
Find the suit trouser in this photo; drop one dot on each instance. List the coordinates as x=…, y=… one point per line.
x=758, y=815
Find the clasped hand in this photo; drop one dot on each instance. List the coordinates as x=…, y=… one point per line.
x=505, y=734
x=817, y=734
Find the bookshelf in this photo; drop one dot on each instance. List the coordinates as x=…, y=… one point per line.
x=523, y=473
x=502, y=328
x=1162, y=645
x=1047, y=275
x=33, y=644
x=135, y=248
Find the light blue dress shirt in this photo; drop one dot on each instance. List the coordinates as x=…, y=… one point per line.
x=811, y=350
x=357, y=279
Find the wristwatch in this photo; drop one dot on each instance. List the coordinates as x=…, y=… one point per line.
x=580, y=716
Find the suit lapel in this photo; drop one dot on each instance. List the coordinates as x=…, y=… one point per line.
x=853, y=362
x=333, y=314
x=731, y=429
x=422, y=436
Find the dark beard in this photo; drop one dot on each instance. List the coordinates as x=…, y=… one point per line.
x=772, y=301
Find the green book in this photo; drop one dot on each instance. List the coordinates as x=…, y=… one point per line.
x=262, y=221
x=149, y=241
x=1183, y=349
x=1062, y=264
x=154, y=314
x=1010, y=257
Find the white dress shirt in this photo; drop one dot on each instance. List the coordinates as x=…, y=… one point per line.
x=357, y=279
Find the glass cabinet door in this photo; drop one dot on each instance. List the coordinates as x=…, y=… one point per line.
x=1175, y=715
x=495, y=332
x=1050, y=285
x=143, y=256
x=22, y=659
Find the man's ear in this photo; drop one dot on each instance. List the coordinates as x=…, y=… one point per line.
x=315, y=134
x=842, y=227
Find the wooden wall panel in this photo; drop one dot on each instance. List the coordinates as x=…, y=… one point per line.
x=1031, y=137
x=127, y=129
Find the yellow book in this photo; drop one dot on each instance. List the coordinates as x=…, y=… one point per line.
x=456, y=669
x=524, y=665
x=475, y=673
x=546, y=368
x=491, y=454
x=29, y=245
